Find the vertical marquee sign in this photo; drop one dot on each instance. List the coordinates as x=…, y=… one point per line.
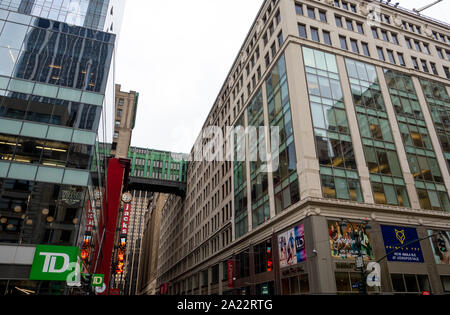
x=125, y=219
x=90, y=217
x=126, y=198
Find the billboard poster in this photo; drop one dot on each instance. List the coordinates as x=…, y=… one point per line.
x=441, y=246
x=343, y=238
x=292, y=246
x=395, y=237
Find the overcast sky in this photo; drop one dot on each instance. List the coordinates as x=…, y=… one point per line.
x=177, y=54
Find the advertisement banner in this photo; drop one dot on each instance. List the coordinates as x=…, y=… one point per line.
x=54, y=263
x=343, y=240
x=292, y=246
x=395, y=237
x=230, y=266
x=441, y=246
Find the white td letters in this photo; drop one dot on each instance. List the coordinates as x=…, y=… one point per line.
x=50, y=262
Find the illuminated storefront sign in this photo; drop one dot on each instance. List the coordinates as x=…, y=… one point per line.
x=395, y=238
x=54, y=263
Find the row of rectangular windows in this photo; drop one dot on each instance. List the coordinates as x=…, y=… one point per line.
x=350, y=24
x=417, y=45
x=345, y=5
x=387, y=36
x=357, y=26
x=355, y=47
x=252, y=61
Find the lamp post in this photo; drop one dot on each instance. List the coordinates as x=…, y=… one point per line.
x=358, y=243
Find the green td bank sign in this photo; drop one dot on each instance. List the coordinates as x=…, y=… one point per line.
x=55, y=263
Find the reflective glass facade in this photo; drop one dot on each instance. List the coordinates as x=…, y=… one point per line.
x=338, y=169
x=55, y=53
x=285, y=178
x=39, y=213
x=439, y=104
x=259, y=178
x=53, y=80
x=87, y=13
x=240, y=181
x=416, y=138
x=379, y=148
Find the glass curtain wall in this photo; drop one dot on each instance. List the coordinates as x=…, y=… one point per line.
x=87, y=13
x=338, y=170
x=258, y=175
x=240, y=181
x=378, y=143
x=416, y=138
x=285, y=178
x=40, y=213
x=439, y=104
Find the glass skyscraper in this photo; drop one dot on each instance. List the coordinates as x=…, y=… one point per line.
x=88, y=13
x=56, y=61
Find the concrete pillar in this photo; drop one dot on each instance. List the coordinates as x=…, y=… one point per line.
x=209, y=280
x=320, y=263
x=220, y=278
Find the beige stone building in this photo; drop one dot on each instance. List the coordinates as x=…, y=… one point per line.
x=125, y=119
x=150, y=245
x=135, y=240
x=360, y=93
x=126, y=104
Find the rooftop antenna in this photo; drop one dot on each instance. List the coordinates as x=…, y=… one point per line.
x=427, y=6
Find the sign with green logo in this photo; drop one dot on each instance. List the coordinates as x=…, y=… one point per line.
x=55, y=263
x=97, y=280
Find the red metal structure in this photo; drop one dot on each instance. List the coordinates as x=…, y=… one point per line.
x=116, y=182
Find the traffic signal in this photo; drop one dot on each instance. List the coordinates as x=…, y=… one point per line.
x=86, y=279
x=442, y=246
x=269, y=258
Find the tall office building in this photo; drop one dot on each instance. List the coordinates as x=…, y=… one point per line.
x=139, y=209
x=148, y=266
x=360, y=93
x=124, y=122
x=56, y=65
